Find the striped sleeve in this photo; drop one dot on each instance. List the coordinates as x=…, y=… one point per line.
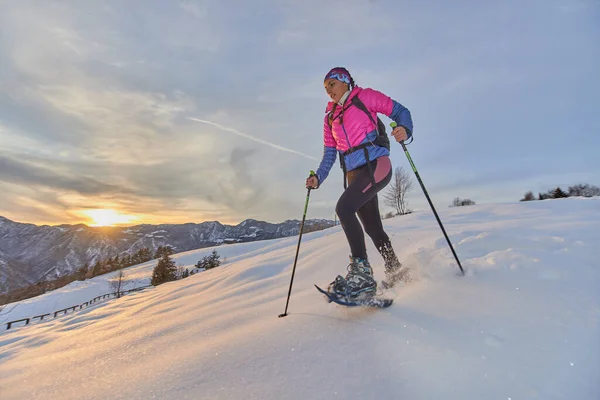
x=401, y=115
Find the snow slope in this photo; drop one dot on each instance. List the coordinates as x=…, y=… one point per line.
x=524, y=323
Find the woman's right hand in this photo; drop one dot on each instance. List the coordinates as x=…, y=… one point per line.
x=312, y=182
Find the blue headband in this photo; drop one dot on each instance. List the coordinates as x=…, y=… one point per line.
x=340, y=74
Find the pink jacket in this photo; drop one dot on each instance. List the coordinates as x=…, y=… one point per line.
x=356, y=123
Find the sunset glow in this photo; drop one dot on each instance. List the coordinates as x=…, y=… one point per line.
x=108, y=217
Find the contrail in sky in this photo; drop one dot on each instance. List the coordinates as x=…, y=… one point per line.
x=245, y=135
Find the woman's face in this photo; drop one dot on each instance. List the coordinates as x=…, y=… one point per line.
x=335, y=89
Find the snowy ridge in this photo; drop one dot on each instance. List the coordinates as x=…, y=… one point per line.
x=27, y=251
x=522, y=324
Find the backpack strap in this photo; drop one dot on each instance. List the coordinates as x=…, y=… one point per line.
x=381, y=135
x=380, y=125
x=382, y=139
x=359, y=104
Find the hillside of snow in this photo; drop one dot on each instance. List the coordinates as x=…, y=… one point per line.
x=524, y=323
x=30, y=254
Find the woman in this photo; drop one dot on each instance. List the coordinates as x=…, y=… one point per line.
x=353, y=133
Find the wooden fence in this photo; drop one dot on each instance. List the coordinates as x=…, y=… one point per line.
x=65, y=311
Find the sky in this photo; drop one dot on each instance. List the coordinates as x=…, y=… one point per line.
x=191, y=111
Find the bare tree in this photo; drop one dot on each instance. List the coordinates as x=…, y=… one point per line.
x=400, y=185
x=458, y=202
x=118, y=281
x=584, y=190
x=528, y=196
x=182, y=272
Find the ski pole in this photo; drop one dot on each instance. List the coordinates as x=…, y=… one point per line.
x=412, y=164
x=297, y=250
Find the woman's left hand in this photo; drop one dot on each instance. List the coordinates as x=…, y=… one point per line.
x=399, y=133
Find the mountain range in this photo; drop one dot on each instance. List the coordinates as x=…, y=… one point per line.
x=30, y=253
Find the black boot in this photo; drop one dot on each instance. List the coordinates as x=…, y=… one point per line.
x=389, y=257
x=394, y=272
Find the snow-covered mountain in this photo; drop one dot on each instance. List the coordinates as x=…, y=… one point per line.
x=523, y=323
x=31, y=253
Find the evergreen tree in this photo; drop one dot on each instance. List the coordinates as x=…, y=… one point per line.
x=145, y=255
x=210, y=261
x=126, y=260
x=136, y=258
x=107, y=265
x=83, y=271
x=159, y=252
x=116, y=263
x=162, y=250
x=97, y=270
x=544, y=196
x=165, y=271
x=558, y=193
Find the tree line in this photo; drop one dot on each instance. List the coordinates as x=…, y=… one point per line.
x=579, y=190
x=395, y=194
x=86, y=271
x=166, y=271
x=402, y=183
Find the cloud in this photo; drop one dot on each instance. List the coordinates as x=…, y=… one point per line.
x=40, y=205
x=26, y=173
x=253, y=138
x=119, y=123
x=201, y=109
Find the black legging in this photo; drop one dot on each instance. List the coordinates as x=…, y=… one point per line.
x=360, y=198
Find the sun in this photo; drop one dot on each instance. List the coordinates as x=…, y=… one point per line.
x=108, y=217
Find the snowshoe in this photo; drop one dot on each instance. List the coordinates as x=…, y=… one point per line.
x=359, y=280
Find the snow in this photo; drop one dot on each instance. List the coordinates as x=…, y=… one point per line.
x=524, y=323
